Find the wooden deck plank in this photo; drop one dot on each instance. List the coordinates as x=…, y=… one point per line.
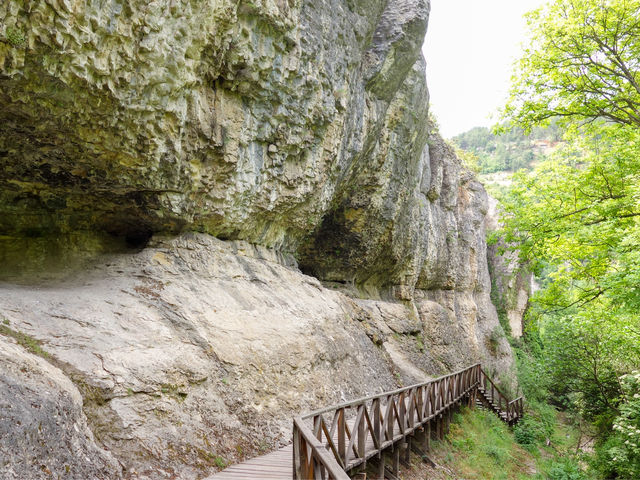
x=279, y=464
x=274, y=465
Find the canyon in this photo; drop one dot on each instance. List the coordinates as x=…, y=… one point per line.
x=217, y=215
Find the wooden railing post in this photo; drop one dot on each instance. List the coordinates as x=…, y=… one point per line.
x=411, y=417
x=297, y=468
x=361, y=431
x=375, y=408
x=317, y=426
x=402, y=412
x=342, y=430
x=389, y=420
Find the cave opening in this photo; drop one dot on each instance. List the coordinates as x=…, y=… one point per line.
x=138, y=239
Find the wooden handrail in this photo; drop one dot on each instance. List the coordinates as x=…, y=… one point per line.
x=494, y=387
x=378, y=431
x=385, y=394
x=514, y=408
x=327, y=448
x=309, y=456
x=381, y=420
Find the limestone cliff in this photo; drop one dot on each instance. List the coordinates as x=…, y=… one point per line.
x=512, y=283
x=243, y=119
x=215, y=215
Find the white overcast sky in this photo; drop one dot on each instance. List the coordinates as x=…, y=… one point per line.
x=470, y=48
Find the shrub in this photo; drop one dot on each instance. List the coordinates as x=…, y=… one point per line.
x=495, y=337
x=622, y=450
x=465, y=444
x=524, y=435
x=499, y=454
x=536, y=426
x=565, y=469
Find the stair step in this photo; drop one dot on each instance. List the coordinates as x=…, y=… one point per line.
x=485, y=400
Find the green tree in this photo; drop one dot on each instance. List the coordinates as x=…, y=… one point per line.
x=579, y=212
x=576, y=219
x=577, y=215
x=510, y=150
x=582, y=62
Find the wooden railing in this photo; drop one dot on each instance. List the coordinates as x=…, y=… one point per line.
x=311, y=459
x=515, y=410
x=512, y=410
x=335, y=440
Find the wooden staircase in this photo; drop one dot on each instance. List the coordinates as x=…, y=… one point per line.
x=489, y=396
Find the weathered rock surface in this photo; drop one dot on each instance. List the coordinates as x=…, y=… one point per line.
x=43, y=431
x=298, y=125
x=238, y=118
x=294, y=131
x=512, y=282
x=196, y=350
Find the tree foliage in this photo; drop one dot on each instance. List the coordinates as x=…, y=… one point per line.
x=582, y=62
x=579, y=211
x=576, y=221
x=510, y=149
x=576, y=217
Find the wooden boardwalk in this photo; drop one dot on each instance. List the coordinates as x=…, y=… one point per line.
x=275, y=465
x=374, y=434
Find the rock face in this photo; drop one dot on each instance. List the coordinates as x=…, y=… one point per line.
x=43, y=431
x=239, y=118
x=511, y=282
x=340, y=251
x=195, y=352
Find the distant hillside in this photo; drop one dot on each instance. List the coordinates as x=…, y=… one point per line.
x=510, y=151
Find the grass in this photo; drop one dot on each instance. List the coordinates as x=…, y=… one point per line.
x=29, y=343
x=481, y=447
x=212, y=458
